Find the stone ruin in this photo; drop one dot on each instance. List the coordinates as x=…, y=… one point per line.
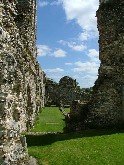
x=106, y=107
x=22, y=81
x=51, y=92
x=65, y=91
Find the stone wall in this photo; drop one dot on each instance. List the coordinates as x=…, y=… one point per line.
x=106, y=107
x=67, y=90
x=21, y=78
x=51, y=92
x=64, y=91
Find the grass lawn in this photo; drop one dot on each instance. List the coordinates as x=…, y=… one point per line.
x=91, y=147
x=50, y=120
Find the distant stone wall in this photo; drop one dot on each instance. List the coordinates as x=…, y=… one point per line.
x=106, y=107
x=65, y=91
x=51, y=92
x=21, y=79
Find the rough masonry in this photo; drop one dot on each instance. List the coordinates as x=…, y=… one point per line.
x=22, y=81
x=65, y=91
x=106, y=107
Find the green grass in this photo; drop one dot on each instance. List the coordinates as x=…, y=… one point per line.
x=50, y=120
x=91, y=147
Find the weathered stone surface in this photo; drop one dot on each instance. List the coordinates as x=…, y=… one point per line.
x=65, y=91
x=21, y=79
x=106, y=107
x=32, y=161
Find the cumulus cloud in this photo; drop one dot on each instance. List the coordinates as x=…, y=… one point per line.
x=87, y=35
x=56, y=2
x=86, y=70
x=88, y=81
x=93, y=53
x=73, y=45
x=90, y=77
x=43, y=50
x=79, y=48
x=42, y=3
x=46, y=3
x=86, y=67
x=83, y=12
x=54, y=70
x=59, y=53
x=68, y=63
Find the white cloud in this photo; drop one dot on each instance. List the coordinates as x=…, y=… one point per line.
x=68, y=63
x=86, y=70
x=88, y=81
x=87, y=35
x=90, y=78
x=83, y=36
x=94, y=55
x=83, y=12
x=78, y=48
x=42, y=3
x=86, y=67
x=63, y=42
x=54, y=70
x=57, y=2
x=43, y=50
x=85, y=81
x=74, y=45
x=85, y=64
x=59, y=53
x=46, y=3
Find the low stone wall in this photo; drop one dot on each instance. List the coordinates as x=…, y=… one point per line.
x=22, y=81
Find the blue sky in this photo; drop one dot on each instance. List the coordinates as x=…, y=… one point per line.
x=67, y=39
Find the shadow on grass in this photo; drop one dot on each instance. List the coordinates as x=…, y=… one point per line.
x=48, y=139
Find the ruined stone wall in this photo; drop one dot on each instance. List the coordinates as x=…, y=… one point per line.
x=106, y=107
x=51, y=92
x=21, y=78
x=67, y=90
x=64, y=91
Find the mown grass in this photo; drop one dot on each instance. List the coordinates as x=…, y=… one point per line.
x=50, y=120
x=91, y=147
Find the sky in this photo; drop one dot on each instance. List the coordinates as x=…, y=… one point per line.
x=67, y=39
